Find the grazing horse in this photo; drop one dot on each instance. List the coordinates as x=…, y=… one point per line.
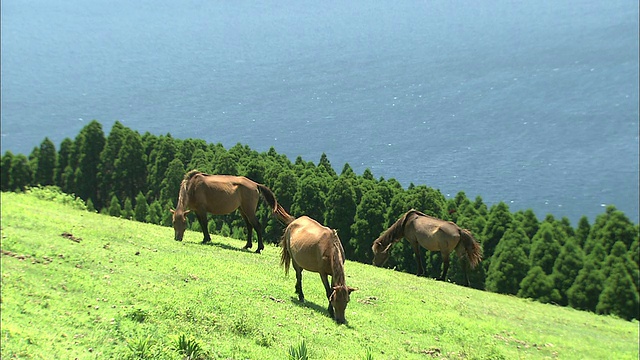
x=432, y=234
x=311, y=246
x=220, y=195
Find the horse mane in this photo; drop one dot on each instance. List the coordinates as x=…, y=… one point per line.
x=337, y=267
x=395, y=232
x=191, y=174
x=183, y=196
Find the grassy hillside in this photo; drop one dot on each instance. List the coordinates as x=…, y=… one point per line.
x=112, y=288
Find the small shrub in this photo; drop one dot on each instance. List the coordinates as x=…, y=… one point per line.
x=55, y=194
x=138, y=315
x=189, y=349
x=298, y=353
x=242, y=326
x=265, y=339
x=140, y=348
x=368, y=355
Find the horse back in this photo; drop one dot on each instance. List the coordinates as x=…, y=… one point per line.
x=432, y=234
x=221, y=194
x=311, y=245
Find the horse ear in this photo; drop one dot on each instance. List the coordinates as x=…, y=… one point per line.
x=172, y=211
x=350, y=289
x=388, y=248
x=186, y=212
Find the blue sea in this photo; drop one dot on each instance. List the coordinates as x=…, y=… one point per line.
x=534, y=103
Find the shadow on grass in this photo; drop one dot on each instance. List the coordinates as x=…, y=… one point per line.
x=320, y=309
x=226, y=246
x=310, y=305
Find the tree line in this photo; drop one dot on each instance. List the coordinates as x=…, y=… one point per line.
x=593, y=267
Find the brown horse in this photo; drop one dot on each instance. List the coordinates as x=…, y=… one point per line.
x=220, y=195
x=311, y=246
x=432, y=234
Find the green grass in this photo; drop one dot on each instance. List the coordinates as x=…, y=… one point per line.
x=125, y=289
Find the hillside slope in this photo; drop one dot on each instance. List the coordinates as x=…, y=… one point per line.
x=77, y=284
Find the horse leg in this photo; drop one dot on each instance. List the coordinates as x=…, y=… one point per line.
x=256, y=225
x=329, y=290
x=419, y=260
x=466, y=273
x=202, y=219
x=465, y=268
x=298, y=270
x=445, y=266
x=249, y=243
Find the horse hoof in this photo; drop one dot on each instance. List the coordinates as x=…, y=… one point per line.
x=258, y=251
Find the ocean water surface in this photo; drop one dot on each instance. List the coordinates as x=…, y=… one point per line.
x=530, y=103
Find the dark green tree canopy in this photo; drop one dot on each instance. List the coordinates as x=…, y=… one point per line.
x=610, y=227
x=90, y=143
x=170, y=184
x=545, y=248
x=566, y=268
x=325, y=166
x=582, y=232
x=341, y=210
x=620, y=293
x=498, y=222
x=538, y=285
x=46, y=163
x=7, y=159
x=367, y=226
x=510, y=263
x=585, y=291
x=547, y=260
x=20, y=173
x=130, y=170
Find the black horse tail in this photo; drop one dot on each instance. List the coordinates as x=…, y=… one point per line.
x=472, y=248
x=278, y=211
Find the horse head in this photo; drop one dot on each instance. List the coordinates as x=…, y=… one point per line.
x=179, y=220
x=380, y=253
x=339, y=299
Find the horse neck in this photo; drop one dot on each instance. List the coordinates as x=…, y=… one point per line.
x=183, y=197
x=337, y=260
x=394, y=233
